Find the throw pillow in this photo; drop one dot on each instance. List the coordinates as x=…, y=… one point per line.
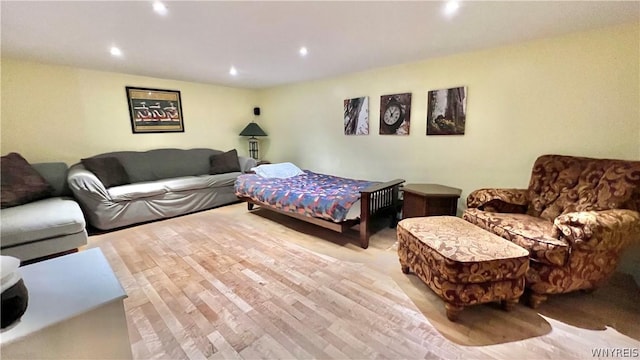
x=224, y=163
x=618, y=184
x=108, y=169
x=21, y=183
x=279, y=170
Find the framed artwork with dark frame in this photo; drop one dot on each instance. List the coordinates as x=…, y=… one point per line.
x=395, y=114
x=447, y=111
x=154, y=110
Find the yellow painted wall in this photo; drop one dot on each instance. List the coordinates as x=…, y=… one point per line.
x=57, y=113
x=577, y=94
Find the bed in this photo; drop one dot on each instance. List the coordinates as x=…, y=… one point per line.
x=329, y=201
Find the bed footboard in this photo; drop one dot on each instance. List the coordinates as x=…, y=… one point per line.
x=376, y=199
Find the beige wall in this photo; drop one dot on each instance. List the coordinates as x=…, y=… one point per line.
x=577, y=94
x=57, y=113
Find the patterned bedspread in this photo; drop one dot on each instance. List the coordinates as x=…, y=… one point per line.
x=311, y=194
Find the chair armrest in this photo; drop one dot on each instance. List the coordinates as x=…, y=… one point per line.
x=86, y=186
x=601, y=230
x=499, y=200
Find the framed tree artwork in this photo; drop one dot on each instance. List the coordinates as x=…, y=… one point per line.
x=446, y=111
x=395, y=114
x=154, y=110
x=356, y=116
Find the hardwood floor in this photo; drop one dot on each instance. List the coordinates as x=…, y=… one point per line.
x=226, y=283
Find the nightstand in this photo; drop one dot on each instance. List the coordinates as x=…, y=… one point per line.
x=429, y=200
x=263, y=162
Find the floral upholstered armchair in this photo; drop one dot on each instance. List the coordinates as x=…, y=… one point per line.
x=576, y=217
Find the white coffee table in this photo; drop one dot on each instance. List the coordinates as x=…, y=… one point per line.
x=75, y=310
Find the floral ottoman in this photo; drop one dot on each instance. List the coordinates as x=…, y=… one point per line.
x=462, y=263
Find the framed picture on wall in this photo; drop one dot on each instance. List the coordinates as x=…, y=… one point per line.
x=356, y=116
x=447, y=111
x=154, y=110
x=395, y=114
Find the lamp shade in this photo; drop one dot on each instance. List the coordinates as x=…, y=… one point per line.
x=253, y=130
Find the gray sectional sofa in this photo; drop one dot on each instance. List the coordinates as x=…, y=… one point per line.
x=47, y=226
x=161, y=183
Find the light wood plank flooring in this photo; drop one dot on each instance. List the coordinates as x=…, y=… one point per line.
x=226, y=283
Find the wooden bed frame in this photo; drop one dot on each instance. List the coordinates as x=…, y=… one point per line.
x=376, y=199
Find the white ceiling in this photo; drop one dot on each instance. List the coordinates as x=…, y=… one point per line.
x=200, y=40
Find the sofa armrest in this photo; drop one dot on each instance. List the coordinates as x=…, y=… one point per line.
x=246, y=163
x=499, y=200
x=86, y=186
x=56, y=175
x=601, y=230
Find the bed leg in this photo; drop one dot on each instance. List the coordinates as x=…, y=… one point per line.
x=249, y=206
x=365, y=217
x=393, y=217
x=364, y=235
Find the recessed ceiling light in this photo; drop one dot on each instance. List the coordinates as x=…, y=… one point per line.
x=451, y=7
x=160, y=8
x=233, y=71
x=115, y=51
x=303, y=51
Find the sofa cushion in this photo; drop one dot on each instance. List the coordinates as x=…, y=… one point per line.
x=160, y=187
x=40, y=220
x=21, y=183
x=532, y=233
x=137, y=191
x=188, y=183
x=224, y=163
x=108, y=169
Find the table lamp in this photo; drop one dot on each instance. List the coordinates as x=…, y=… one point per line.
x=253, y=130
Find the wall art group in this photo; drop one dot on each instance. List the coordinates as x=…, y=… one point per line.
x=446, y=113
